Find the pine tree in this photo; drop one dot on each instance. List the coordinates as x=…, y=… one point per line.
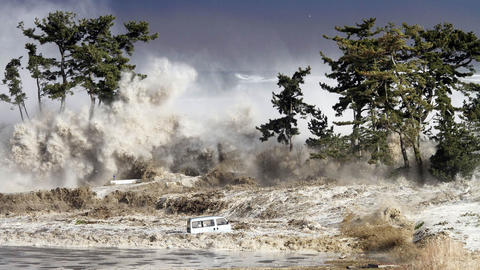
x=62, y=30
x=458, y=149
x=351, y=82
x=450, y=58
x=100, y=58
x=39, y=68
x=471, y=108
x=12, y=80
x=398, y=85
x=325, y=143
x=289, y=102
x=393, y=77
x=89, y=55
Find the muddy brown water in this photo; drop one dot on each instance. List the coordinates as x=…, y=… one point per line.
x=55, y=258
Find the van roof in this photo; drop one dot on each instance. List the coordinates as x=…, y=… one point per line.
x=205, y=217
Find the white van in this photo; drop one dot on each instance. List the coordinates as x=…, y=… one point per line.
x=208, y=224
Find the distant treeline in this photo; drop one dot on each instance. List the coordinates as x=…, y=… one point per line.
x=88, y=56
x=398, y=83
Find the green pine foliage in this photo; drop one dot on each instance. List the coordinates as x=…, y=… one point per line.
x=89, y=55
x=289, y=103
x=39, y=68
x=102, y=57
x=451, y=57
x=61, y=30
x=325, y=143
x=393, y=79
x=458, y=149
x=12, y=79
x=350, y=81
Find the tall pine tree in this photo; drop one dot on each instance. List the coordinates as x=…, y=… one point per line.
x=16, y=95
x=100, y=57
x=39, y=68
x=350, y=81
x=89, y=55
x=289, y=103
x=60, y=29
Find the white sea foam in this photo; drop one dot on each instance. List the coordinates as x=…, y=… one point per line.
x=65, y=149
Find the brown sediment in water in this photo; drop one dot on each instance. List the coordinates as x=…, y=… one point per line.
x=59, y=199
x=443, y=253
x=221, y=177
x=385, y=230
x=149, y=198
x=196, y=204
x=389, y=232
x=158, y=208
x=309, y=216
x=143, y=199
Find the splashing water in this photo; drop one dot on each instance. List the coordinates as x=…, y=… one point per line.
x=67, y=149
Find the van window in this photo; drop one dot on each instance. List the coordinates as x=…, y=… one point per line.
x=196, y=224
x=221, y=221
x=208, y=223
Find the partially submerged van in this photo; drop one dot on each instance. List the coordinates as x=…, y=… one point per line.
x=208, y=224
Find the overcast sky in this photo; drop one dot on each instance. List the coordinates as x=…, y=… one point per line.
x=264, y=35
x=224, y=40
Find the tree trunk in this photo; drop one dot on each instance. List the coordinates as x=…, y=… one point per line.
x=354, y=132
x=290, y=137
x=39, y=96
x=418, y=156
x=92, y=107
x=357, y=114
x=419, y=161
x=64, y=80
x=25, y=109
x=406, y=163
x=418, y=141
x=21, y=113
x=62, y=104
x=373, y=114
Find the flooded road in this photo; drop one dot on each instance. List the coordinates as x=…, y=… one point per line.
x=54, y=258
